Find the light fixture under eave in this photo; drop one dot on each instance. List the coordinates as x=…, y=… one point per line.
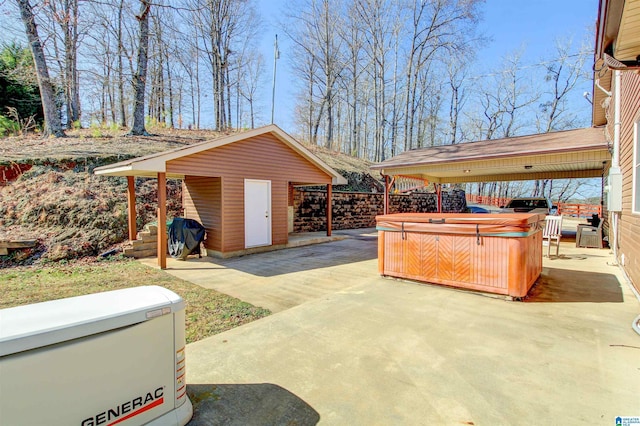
x=466, y=171
x=528, y=167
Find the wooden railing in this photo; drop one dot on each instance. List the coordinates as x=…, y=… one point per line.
x=567, y=209
x=579, y=210
x=487, y=200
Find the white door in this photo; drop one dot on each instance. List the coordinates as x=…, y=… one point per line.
x=257, y=213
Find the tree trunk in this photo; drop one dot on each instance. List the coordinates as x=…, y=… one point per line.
x=140, y=78
x=52, y=122
x=170, y=84
x=71, y=62
x=123, y=108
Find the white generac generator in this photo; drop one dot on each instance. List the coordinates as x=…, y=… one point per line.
x=113, y=358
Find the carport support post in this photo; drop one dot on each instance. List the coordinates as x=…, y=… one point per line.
x=162, y=220
x=438, y=188
x=385, y=208
x=329, y=208
x=131, y=207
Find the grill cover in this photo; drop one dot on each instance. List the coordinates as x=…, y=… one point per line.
x=185, y=236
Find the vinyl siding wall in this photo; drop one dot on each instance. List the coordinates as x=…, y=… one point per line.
x=263, y=157
x=202, y=202
x=629, y=233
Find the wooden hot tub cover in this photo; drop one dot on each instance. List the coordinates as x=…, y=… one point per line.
x=495, y=225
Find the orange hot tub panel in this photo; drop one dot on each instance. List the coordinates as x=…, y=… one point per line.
x=494, y=253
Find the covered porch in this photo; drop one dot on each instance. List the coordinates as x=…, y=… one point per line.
x=578, y=153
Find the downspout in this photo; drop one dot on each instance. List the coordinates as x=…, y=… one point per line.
x=605, y=91
x=615, y=162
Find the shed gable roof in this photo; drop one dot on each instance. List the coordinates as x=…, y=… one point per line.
x=151, y=165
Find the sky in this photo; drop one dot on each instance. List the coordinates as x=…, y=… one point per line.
x=510, y=25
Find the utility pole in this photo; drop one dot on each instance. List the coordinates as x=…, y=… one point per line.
x=276, y=56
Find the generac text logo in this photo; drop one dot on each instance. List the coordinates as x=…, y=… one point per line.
x=127, y=409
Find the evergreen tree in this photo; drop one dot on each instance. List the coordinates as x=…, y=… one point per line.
x=18, y=84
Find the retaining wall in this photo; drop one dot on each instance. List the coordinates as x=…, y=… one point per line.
x=351, y=210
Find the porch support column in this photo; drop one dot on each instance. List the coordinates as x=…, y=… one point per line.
x=329, y=208
x=131, y=207
x=438, y=188
x=385, y=208
x=162, y=220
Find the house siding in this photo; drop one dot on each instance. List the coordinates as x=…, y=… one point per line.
x=263, y=157
x=629, y=229
x=202, y=202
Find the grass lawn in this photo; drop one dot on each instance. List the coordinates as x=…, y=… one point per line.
x=208, y=312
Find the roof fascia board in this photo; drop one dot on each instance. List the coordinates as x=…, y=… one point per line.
x=520, y=155
x=608, y=25
x=158, y=162
x=106, y=170
x=572, y=174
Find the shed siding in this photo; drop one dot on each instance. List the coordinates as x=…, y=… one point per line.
x=202, y=202
x=263, y=157
x=629, y=243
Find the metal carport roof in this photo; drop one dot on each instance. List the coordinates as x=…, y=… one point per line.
x=579, y=153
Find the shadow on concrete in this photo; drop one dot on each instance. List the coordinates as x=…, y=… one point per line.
x=306, y=258
x=247, y=405
x=565, y=286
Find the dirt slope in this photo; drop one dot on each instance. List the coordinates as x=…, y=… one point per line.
x=48, y=191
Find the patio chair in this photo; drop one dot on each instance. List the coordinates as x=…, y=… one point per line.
x=589, y=236
x=552, y=233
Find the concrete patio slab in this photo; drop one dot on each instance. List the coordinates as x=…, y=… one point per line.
x=355, y=348
x=279, y=280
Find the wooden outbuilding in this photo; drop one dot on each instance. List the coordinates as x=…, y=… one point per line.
x=240, y=187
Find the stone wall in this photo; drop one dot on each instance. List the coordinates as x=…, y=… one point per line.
x=353, y=210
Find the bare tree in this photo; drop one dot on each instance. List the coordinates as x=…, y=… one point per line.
x=353, y=37
x=315, y=33
x=504, y=101
x=372, y=90
x=65, y=14
x=457, y=73
x=561, y=77
x=305, y=67
x=52, y=122
x=121, y=53
x=435, y=26
x=107, y=57
x=376, y=17
x=224, y=26
x=250, y=82
x=140, y=77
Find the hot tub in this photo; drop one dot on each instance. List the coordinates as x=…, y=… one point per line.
x=494, y=253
